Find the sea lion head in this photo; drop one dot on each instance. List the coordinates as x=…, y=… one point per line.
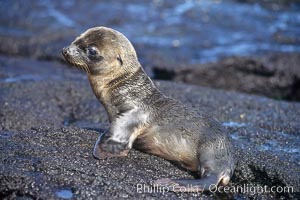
x=101, y=51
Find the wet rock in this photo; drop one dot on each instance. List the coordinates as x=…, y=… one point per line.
x=24, y=91
x=276, y=76
x=42, y=157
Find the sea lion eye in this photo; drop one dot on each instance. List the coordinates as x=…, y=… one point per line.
x=92, y=51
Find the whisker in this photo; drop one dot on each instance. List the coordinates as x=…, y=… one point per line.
x=78, y=65
x=87, y=68
x=82, y=66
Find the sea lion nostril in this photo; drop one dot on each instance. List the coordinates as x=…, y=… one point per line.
x=64, y=51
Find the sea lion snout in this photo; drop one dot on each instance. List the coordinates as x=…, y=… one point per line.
x=64, y=51
x=75, y=56
x=70, y=50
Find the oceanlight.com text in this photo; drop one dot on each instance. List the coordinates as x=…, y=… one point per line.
x=242, y=189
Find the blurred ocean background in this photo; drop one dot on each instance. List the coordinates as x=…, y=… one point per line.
x=186, y=31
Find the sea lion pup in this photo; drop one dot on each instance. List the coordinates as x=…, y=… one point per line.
x=143, y=118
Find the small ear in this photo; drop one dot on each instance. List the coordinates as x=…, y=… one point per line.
x=120, y=60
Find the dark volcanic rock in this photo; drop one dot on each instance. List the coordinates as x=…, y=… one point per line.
x=23, y=93
x=276, y=76
x=48, y=128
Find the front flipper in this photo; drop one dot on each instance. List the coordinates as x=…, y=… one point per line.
x=188, y=185
x=107, y=148
x=121, y=134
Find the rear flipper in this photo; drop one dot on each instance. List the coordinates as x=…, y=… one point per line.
x=106, y=148
x=188, y=185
